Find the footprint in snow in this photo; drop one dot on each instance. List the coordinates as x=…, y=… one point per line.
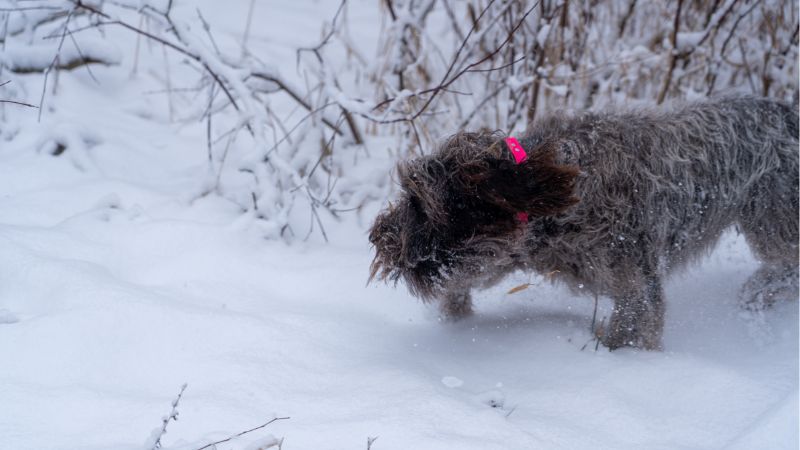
x=452, y=382
x=7, y=316
x=494, y=398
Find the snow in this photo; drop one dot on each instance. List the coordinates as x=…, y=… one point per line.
x=119, y=283
x=452, y=382
x=686, y=41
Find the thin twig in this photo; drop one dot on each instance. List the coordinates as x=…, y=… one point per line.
x=166, y=43
x=370, y=441
x=447, y=79
x=14, y=102
x=241, y=433
x=673, y=56
x=296, y=97
x=246, y=34
x=83, y=58
x=53, y=63
x=599, y=334
x=173, y=415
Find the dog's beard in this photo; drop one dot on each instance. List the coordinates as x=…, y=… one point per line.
x=427, y=255
x=408, y=248
x=398, y=257
x=429, y=276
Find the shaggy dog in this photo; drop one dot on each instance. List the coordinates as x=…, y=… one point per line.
x=611, y=203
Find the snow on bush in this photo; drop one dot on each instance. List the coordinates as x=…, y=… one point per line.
x=503, y=64
x=440, y=66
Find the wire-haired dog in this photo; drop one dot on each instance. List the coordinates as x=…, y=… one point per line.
x=611, y=202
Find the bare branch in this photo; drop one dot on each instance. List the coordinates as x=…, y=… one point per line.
x=672, y=54
x=213, y=444
x=173, y=415
x=14, y=102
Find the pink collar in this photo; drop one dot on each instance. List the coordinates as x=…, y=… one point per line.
x=519, y=156
x=516, y=149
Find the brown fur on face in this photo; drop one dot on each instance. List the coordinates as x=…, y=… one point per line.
x=469, y=190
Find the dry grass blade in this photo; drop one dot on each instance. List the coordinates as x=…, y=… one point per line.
x=519, y=288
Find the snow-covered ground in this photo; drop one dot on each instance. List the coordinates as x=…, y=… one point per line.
x=118, y=285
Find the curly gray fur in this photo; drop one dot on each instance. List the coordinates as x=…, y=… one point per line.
x=617, y=201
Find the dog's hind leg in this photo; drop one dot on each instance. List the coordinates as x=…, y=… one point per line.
x=638, y=317
x=456, y=304
x=771, y=283
x=769, y=221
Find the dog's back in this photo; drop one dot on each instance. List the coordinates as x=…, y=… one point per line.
x=659, y=187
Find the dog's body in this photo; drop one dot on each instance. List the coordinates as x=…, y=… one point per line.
x=616, y=202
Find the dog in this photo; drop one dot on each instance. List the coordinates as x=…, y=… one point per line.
x=608, y=203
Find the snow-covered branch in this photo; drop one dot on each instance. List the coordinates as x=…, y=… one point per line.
x=440, y=66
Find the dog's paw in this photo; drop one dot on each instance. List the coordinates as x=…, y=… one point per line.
x=757, y=297
x=769, y=285
x=616, y=338
x=456, y=306
x=454, y=316
x=614, y=341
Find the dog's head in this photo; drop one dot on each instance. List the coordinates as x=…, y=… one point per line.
x=459, y=209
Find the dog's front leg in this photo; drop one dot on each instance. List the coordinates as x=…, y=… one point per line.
x=638, y=317
x=456, y=304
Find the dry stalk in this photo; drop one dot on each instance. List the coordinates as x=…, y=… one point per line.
x=242, y=433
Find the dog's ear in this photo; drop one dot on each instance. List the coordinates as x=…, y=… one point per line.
x=538, y=186
x=423, y=180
